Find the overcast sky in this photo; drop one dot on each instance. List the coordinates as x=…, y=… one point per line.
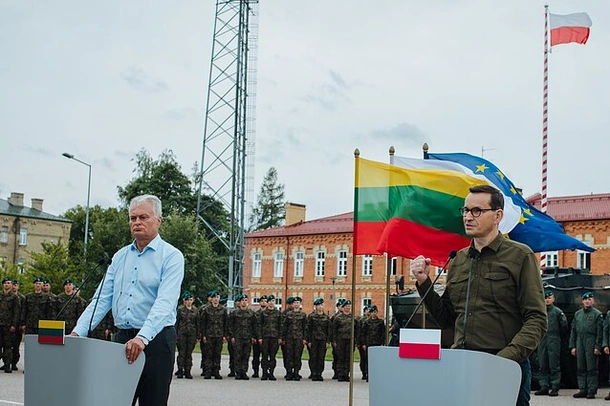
x=101, y=80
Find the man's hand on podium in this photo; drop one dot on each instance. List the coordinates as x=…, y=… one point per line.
x=133, y=349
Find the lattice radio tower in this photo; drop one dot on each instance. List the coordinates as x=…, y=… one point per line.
x=227, y=155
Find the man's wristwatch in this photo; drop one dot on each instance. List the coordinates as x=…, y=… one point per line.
x=144, y=340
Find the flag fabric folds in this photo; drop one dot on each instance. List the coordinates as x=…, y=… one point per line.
x=536, y=229
x=570, y=28
x=408, y=212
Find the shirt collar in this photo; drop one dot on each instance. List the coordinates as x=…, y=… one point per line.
x=494, y=245
x=153, y=245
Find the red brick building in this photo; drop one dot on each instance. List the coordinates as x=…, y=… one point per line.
x=314, y=258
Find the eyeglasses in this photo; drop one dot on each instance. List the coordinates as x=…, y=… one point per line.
x=475, y=211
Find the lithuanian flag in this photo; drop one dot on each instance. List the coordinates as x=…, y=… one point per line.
x=408, y=212
x=51, y=332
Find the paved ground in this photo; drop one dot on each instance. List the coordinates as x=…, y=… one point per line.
x=269, y=393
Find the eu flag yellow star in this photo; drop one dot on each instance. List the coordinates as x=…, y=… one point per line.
x=500, y=174
x=481, y=168
x=528, y=212
x=523, y=219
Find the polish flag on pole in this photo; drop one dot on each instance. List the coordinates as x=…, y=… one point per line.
x=418, y=343
x=570, y=28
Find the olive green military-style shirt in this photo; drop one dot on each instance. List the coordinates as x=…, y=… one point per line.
x=506, y=309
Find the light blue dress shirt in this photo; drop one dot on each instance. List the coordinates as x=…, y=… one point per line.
x=141, y=288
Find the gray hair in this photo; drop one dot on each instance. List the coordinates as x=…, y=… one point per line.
x=154, y=200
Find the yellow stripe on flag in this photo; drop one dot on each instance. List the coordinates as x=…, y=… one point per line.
x=51, y=324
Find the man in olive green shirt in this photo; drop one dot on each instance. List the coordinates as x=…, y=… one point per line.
x=493, y=297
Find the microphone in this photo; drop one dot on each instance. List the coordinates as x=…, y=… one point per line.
x=100, y=262
x=472, y=254
x=97, y=299
x=452, y=255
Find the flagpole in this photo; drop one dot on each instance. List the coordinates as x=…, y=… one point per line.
x=354, y=250
x=388, y=269
x=545, y=121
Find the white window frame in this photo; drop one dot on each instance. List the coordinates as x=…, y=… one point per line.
x=342, y=263
x=394, y=265
x=581, y=256
x=552, y=259
x=367, y=265
x=366, y=301
x=4, y=235
x=257, y=260
x=23, y=236
x=278, y=264
x=299, y=262
x=320, y=263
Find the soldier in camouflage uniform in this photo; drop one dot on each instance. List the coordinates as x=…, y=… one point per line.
x=586, y=345
x=338, y=307
x=18, y=333
x=36, y=306
x=317, y=333
x=293, y=337
x=9, y=320
x=105, y=329
x=186, y=332
x=289, y=303
x=270, y=328
x=73, y=310
x=46, y=288
x=256, y=347
x=342, y=333
x=213, y=330
x=202, y=344
x=243, y=330
x=364, y=362
x=549, y=349
x=372, y=334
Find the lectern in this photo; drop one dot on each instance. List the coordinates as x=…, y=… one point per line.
x=83, y=371
x=460, y=377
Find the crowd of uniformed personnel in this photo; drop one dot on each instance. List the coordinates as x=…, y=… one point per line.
x=263, y=332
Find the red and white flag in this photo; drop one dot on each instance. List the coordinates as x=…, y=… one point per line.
x=570, y=28
x=418, y=343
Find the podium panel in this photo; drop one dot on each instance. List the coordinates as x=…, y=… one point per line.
x=83, y=371
x=460, y=377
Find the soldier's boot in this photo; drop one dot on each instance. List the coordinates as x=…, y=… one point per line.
x=335, y=375
x=7, y=369
x=580, y=394
x=271, y=376
x=217, y=375
x=187, y=373
x=255, y=374
x=555, y=392
x=180, y=373
x=542, y=392
x=591, y=395
x=297, y=376
x=289, y=375
x=231, y=373
x=14, y=367
x=202, y=373
x=265, y=375
x=607, y=397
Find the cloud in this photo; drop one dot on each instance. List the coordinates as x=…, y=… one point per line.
x=338, y=79
x=401, y=132
x=182, y=113
x=329, y=96
x=139, y=80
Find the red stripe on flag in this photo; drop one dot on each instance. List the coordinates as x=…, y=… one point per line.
x=366, y=237
x=565, y=35
x=419, y=350
x=56, y=340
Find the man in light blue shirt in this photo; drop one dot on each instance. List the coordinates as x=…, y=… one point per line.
x=142, y=287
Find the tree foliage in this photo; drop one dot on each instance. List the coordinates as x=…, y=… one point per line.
x=53, y=263
x=270, y=205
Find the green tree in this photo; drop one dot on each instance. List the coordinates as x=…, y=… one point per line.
x=53, y=263
x=270, y=205
x=163, y=178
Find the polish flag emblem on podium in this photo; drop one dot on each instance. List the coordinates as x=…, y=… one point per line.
x=419, y=343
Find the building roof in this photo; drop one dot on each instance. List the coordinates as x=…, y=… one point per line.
x=575, y=208
x=22, y=211
x=340, y=223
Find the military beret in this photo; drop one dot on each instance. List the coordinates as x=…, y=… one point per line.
x=243, y=296
x=15, y=282
x=548, y=293
x=45, y=281
x=346, y=302
x=6, y=279
x=298, y=299
x=373, y=308
x=270, y=297
x=187, y=295
x=318, y=301
x=213, y=293
x=290, y=300
x=340, y=301
x=366, y=308
x=37, y=279
x=587, y=295
x=237, y=297
x=264, y=297
x=68, y=280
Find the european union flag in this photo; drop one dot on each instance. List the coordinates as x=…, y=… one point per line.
x=535, y=229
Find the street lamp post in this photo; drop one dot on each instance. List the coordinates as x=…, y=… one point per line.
x=70, y=156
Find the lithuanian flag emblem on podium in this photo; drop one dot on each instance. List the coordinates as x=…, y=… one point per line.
x=51, y=332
